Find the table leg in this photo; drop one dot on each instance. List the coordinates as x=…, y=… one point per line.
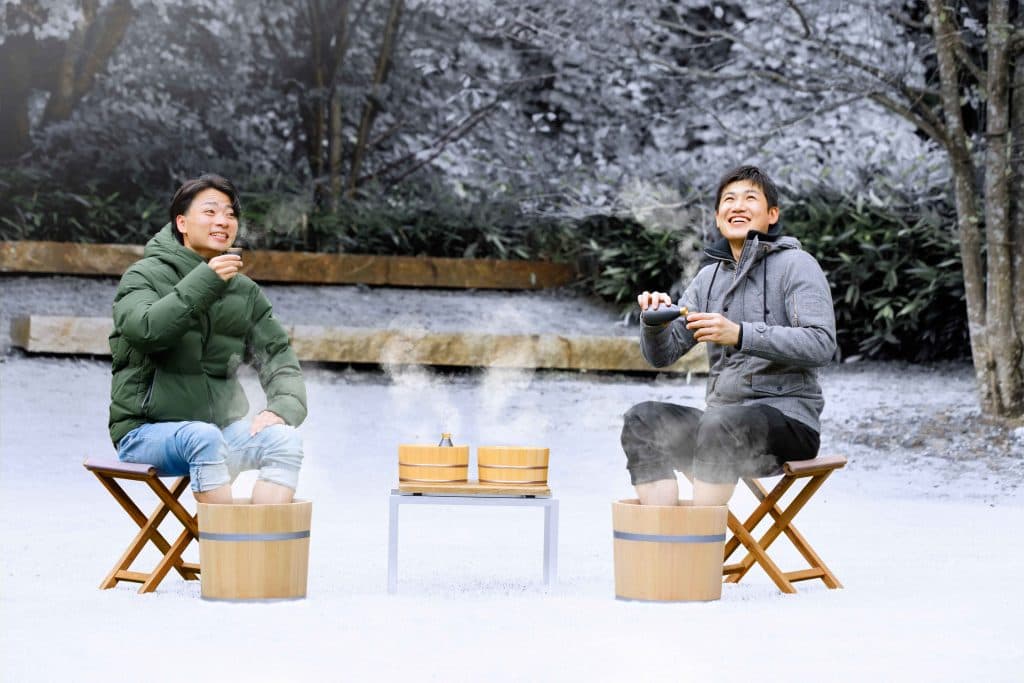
x=393, y=544
x=551, y=542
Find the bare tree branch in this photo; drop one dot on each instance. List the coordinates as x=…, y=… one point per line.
x=933, y=129
x=904, y=19
x=1017, y=42
x=439, y=145
x=914, y=111
x=343, y=31
x=976, y=71
x=890, y=80
x=800, y=15
x=781, y=126
x=370, y=107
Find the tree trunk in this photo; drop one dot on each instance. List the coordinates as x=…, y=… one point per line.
x=90, y=45
x=336, y=146
x=1017, y=180
x=24, y=60
x=1002, y=333
x=387, y=47
x=16, y=55
x=965, y=197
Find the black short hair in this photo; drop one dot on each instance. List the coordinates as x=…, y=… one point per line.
x=190, y=188
x=754, y=175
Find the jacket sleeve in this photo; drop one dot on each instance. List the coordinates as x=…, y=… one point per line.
x=270, y=351
x=662, y=345
x=150, y=322
x=810, y=338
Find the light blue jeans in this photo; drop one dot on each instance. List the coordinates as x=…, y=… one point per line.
x=213, y=457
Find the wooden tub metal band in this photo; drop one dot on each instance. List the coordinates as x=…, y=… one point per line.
x=427, y=464
x=281, y=536
x=663, y=538
x=515, y=467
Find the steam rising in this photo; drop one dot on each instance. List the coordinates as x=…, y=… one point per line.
x=501, y=412
x=415, y=389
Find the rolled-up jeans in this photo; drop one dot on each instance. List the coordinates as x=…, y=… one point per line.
x=213, y=457
x=718, y=445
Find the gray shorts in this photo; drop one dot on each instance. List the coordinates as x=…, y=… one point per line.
x=718, y=445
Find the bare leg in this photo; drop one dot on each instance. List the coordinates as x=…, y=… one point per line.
x=706, y=493
x=218, y=496
x=269, y=493
x=660, y=492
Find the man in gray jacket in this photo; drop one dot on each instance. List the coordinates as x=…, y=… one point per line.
x=763, y=307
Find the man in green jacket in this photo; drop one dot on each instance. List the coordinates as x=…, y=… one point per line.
x=185, y=318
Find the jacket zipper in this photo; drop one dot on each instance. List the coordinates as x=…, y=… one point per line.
x=149, y=394
x=206, y=324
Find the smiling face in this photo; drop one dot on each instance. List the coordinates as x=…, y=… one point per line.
x=209, y=225
x=743, y=207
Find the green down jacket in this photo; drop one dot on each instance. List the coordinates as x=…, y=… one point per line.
x=180, y=333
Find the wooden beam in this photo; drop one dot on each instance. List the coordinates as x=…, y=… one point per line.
x=70, y=258
x=80, y=335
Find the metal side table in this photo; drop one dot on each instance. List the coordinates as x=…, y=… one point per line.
x=473, y=493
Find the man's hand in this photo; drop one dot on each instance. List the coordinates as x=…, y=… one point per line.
x=263, y=420
x=713, y=327
x=226, y=265
x=653, y=300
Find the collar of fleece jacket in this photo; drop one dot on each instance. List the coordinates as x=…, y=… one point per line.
x=720, y=250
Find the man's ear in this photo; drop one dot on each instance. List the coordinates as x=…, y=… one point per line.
x=773, y=215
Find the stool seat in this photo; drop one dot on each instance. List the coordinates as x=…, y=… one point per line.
x=108, y=471
x=122, y=470
x=823, y=463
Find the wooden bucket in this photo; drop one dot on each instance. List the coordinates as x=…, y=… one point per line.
x=668, y=553
x=254, y=552
x=512, y=465
x=433, y=464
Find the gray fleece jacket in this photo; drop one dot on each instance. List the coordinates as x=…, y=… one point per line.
x=779, y=296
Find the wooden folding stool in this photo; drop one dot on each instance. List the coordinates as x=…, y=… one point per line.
x=816, y=471
x=107, y=471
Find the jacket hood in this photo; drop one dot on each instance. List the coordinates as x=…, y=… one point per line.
x=166, y=248
x=773, y=240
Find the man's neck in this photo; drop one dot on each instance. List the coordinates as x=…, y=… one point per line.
x=737, y=248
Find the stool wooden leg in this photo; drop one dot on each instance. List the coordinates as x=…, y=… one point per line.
x=121, y=497
x=782, y=523
x=172, y=558
x=756, y=552
x=761, y=510
x=767, y=502
x=817, y=569
x=149, y=532
x=188, y=571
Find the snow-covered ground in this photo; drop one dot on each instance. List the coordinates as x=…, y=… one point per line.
x=926, y=550
x=921, y=527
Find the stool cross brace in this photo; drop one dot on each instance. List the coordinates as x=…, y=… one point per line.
x=817, y=470
x=107, y=472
